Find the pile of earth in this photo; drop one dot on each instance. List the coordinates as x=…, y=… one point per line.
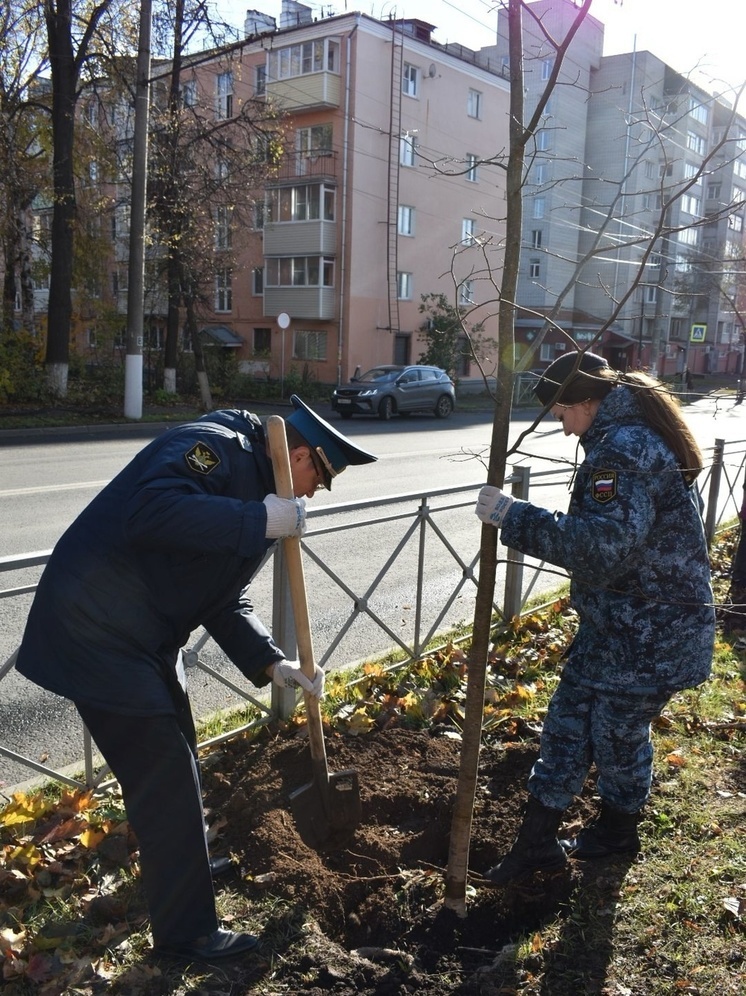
x=365, y=914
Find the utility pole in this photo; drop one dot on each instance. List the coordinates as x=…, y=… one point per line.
x=136, y=287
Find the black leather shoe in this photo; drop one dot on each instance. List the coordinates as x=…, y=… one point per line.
x=220, y=866
x=214, y=947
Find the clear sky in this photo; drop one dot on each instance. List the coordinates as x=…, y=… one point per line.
x=702, y=37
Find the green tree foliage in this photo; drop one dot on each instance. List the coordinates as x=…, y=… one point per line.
x=447, y=333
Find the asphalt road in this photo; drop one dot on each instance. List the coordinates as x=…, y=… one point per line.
x=46, y=482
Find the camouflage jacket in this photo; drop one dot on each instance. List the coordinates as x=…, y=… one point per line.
x=633, y=543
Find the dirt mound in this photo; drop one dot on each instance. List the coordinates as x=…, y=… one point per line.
x=376, y=896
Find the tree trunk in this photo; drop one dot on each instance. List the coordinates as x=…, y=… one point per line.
x=64, y=82
x=458, y=857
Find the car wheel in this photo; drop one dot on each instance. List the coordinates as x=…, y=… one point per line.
x=443, y=406
x=386, y=409
x=345, y=415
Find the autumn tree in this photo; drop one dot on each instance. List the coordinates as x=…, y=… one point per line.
x=204, y=160
x=22, y=160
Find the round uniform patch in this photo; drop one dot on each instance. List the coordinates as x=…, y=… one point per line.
x=201, y=459
x=603, y=486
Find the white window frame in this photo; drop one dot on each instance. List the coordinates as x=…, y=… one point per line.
x=223, y=227
x=539, y=208
x=404, y=286
x=472, y=167
x=224, y=95
x=468, y=231
x=405, y=220
x=466, y=293
x=224, y=290
x=310, y=344
x=407, y=150
x=410, y=80
x=474, y=103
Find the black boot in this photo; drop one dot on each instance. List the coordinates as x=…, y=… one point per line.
x=536, y=847
x=611, y=833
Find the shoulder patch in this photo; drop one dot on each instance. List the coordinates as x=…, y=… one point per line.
x=201, y=459
x=603, y=486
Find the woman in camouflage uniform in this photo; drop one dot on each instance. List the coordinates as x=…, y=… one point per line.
x=633, y=543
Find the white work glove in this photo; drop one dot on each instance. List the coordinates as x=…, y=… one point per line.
x=492, y=505
x=285, y=516
x=287, y=674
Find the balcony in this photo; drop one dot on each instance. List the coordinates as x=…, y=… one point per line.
x=300, y=238
x=307, y=92
x=319, y=165
x=313, y=303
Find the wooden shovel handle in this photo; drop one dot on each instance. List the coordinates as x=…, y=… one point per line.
x=278, y=448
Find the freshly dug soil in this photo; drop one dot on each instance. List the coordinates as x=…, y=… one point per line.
x=372, y=902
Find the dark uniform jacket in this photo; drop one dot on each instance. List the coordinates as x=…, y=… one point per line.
x=633, y=542
x=168, y=546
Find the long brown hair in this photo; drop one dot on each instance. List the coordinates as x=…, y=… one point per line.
x=662, y=412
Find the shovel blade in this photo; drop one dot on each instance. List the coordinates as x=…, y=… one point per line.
x=327, y=811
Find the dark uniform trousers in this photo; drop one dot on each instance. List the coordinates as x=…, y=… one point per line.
x=154, y=760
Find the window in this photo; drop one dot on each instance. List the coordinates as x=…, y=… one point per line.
x=314, y=141
x=223, y=228
x=536, y=238
x=404, y=286
x=534, y=269
x=466, y=293
x=321, y=55
x=224, y=107
x=189, y=93
x=224, y=290
x=698, y=111
x=257, y=215
x=474, y=103
x=547, y=65
x=407, y=146
x=468, y=229
x=261, y=344
x=714, y=190
x=688, y=236
x=735, y=222
x=472, y=166
x=538, y=207
x=405, y=221
x=299, y=271
x=691, y=172
x=410, y=80
x=260, y=80
x=690, y=204
x=546, y=352
x=651, y=293
x=543, y=140
x=540, y=173
x=665, y=169
x=257, y=281
x=695, y=143
x=649, y=169
x=309, y=345
x=305, y=202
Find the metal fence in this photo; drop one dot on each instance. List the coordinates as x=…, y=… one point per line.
x=421, y=551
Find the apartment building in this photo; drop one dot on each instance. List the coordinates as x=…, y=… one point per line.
x=634, y=169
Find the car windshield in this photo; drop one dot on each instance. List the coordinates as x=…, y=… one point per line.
x=379, y=373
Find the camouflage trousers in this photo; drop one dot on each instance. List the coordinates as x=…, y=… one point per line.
x=610, y=729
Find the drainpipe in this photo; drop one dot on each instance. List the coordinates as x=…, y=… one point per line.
x=343, y=221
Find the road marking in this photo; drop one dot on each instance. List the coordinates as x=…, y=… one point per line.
x=46, y=489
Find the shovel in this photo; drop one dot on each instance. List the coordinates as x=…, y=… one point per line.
x=328, y=806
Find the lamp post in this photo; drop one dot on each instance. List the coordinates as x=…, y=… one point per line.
x=283, y=320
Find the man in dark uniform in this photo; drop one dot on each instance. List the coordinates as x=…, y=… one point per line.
x=171, y=544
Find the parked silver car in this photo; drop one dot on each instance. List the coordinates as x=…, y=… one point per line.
x=388, y=390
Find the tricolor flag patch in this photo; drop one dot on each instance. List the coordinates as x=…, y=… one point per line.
x=603, y=486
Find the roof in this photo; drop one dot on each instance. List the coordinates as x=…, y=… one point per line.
x=223, y=336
